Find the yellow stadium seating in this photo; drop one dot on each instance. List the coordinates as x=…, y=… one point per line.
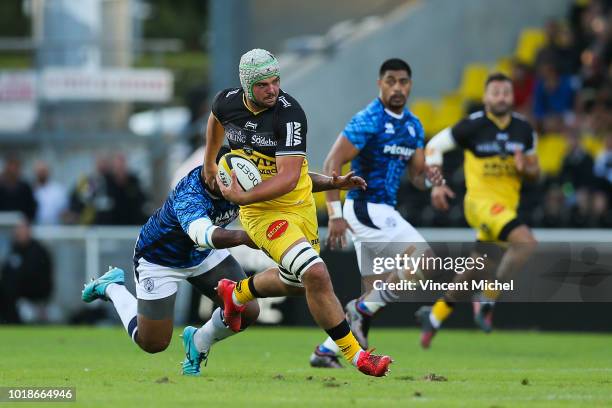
x=449, y=112
x=425, y=110
x=593, y=145
x=551, y=150
x=473, y=80
x=504, y=65
x=529, y=43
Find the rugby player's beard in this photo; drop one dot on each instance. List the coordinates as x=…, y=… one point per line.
x=397, y=101
x=263, y=105
x=500, y=112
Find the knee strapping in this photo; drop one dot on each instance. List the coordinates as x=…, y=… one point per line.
x=299, y=258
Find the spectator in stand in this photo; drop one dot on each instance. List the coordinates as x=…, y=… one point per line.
x=603, y=172
x=554, y=95
x=27, y=273
x=127, y=198
x=90, y=196
x=15, y=193
x=559, y=49
x=578, y=181
x=523, y=82
x=51, y=196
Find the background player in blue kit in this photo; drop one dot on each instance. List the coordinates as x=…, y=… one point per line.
x=185, y=239
x=380, y=142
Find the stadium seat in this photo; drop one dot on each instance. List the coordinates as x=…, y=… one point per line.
x=529, y=43
x=504, y=65
x=449, y=112
x=473, y=80
x=425, y=110
x=551, y=150
x=593, y=145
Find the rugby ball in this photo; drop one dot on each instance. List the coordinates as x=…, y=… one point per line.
x=247, y=174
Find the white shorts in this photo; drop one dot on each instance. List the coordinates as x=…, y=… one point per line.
x=373, y=222
x=159, y=282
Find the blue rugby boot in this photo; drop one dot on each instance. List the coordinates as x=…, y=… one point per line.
x=96, y=289
x=193, y=358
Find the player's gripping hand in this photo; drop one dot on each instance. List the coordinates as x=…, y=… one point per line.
x=348, y=182
x=440, y=195
x=210, y=175
x=336, y=233
x=234, y=192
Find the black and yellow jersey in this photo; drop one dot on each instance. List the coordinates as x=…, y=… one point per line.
x=265, y=135
x=490, y=171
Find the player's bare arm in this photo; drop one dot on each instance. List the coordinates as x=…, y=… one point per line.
x=349, y=181
x=434, y=154
x=287, y=177
x=527, y=165
x=422, y=176
x=224, y=238
x=209, y=236
x=341, y=152
x=214, y=139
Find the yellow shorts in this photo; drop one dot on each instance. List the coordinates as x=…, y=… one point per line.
x=275, y=231
x=488, y=218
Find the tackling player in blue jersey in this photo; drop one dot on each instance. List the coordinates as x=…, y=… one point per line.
x=185, y=240
x=380, y=142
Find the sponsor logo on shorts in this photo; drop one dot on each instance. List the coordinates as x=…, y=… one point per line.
x=497, y=208
x=314, y=241
x=148, y=284
x=276, y=229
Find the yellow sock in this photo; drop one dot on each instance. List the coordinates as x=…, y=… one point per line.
x=242, y=291
x=490, y=294
x=441, y=310
x=349, y=346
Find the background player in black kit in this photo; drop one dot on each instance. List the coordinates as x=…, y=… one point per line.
x=499, y=147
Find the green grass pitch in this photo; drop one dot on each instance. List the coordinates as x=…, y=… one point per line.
x=268, y=367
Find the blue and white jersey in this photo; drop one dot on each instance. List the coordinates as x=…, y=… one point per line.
x=386, y=142
x=163, y=240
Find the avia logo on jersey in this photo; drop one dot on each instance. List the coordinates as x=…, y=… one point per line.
x=398, y=150
x=389, y=129
x=276, y=229
x=294, y=134
x=284, y=101
x=250, y=125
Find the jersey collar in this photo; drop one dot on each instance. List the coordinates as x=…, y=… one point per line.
x=501, y=125
x=246, y=105
x=391, y=113
x=395, y=115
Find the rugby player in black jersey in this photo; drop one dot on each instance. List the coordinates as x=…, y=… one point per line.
x=268, y=126
x=500, y=152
